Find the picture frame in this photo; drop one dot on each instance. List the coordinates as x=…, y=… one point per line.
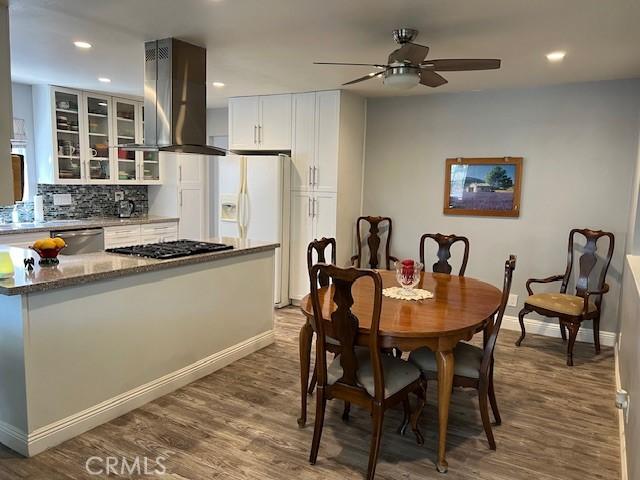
x=486, y=187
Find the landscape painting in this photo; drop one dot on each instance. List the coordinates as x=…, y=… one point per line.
x=483, y=186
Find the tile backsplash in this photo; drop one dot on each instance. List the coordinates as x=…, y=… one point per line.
x=91, y=200
x=24, y=212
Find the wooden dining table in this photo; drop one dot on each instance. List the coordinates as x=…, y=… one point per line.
x=461, y=307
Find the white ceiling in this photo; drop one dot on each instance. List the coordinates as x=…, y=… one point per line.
x=268, y=46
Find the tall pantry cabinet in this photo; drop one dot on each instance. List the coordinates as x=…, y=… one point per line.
x=326, y=180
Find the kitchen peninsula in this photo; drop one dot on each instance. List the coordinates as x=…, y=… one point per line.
x=101, y=334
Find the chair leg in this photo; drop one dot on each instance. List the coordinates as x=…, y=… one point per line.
x=563, y=332
x=321, y=403
x=376, y=437
x=573, y=333
x=345, y=412
x=406, y=406
x=314, y=380
x=521, y=315
x=596, y=333
x=492, y=398
x=415, y=416
x=483, y=395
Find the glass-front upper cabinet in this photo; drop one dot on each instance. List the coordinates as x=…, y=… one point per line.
x=150, y=160
x=126, y=131
x=99, y=163
x=67, y=128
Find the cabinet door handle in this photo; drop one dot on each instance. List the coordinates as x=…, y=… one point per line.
x=260, y=134
x=309, y=208
x=310, y=175
x=315, y=209
x=255, y=134
x=180, y=172
x=315, y=176
x=180, y=197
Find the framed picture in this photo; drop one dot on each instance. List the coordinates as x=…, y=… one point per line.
x=483, y=186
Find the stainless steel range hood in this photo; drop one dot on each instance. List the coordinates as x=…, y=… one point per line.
x=175, y=99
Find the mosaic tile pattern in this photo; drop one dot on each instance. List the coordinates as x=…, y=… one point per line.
x=92, y=200
x=24, y=211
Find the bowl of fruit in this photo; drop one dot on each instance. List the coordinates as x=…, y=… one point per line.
x=48, y=250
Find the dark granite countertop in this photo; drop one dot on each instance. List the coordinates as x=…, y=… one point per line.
x=97, y=222
x=91, y=267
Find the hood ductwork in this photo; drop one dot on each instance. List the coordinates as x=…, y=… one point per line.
x=175, y=99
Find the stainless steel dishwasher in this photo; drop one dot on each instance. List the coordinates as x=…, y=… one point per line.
x=90, y=240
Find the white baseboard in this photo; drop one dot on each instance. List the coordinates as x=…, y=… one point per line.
x=552, y=329
x=69, y=427
x=624, y=475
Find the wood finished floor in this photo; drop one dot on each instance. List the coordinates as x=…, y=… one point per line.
x=240, y=423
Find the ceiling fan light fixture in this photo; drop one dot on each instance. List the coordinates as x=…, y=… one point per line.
x=402, y=78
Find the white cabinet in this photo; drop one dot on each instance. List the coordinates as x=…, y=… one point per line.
x=326, y=182
x=315, y=141
x=303, y=148
x=260, y=123
x=99, y=156
x=274, y=129
x=244, y=118
x=76, y=134
x=192, y=173
x=126, y=235
x=158, y=232
x=60, y=143
x=313, y=215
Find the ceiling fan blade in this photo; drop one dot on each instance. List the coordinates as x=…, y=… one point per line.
x=431, y=79
x=362, y=79
x=377, y=65
x=461, y=64
x=409, y=53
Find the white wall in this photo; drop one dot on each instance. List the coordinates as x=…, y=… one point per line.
x=6, y=119
x=217, y=122
x=23, y=108
x=579, y=144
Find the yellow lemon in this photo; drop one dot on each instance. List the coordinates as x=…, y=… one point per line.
x=37, y=244
x=48, y=244
x=59, y=242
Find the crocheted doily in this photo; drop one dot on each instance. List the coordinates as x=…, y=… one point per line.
x=401, y=294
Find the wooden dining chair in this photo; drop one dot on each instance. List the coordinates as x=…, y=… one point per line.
x=363, y=376
x=320, y=248
x=572, y=310
x=376, y=224
x=445, y=242
x=473, y=366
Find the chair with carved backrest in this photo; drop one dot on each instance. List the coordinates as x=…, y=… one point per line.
x=320, y=248
x=363, y=376
x=445, y=242
x=473, y=365
x=373, y=244
x=572, y=310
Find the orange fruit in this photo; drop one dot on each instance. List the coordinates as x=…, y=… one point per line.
x=59, y=242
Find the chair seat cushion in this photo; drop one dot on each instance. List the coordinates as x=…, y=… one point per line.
x=397, y=372
x=560, y=302
x=467, y=360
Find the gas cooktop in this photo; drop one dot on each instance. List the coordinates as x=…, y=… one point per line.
x=168, y=250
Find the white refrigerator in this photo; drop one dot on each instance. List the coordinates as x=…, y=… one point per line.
x=253, y=203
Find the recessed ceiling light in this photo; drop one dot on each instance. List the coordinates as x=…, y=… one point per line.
x=556, y=56
x=84, y=45
x=104, y=79
x=218, y=84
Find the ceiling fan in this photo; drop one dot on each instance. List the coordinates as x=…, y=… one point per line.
x=407, y=66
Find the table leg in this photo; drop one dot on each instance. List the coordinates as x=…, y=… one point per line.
x=444, y=361
x=306, y=335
